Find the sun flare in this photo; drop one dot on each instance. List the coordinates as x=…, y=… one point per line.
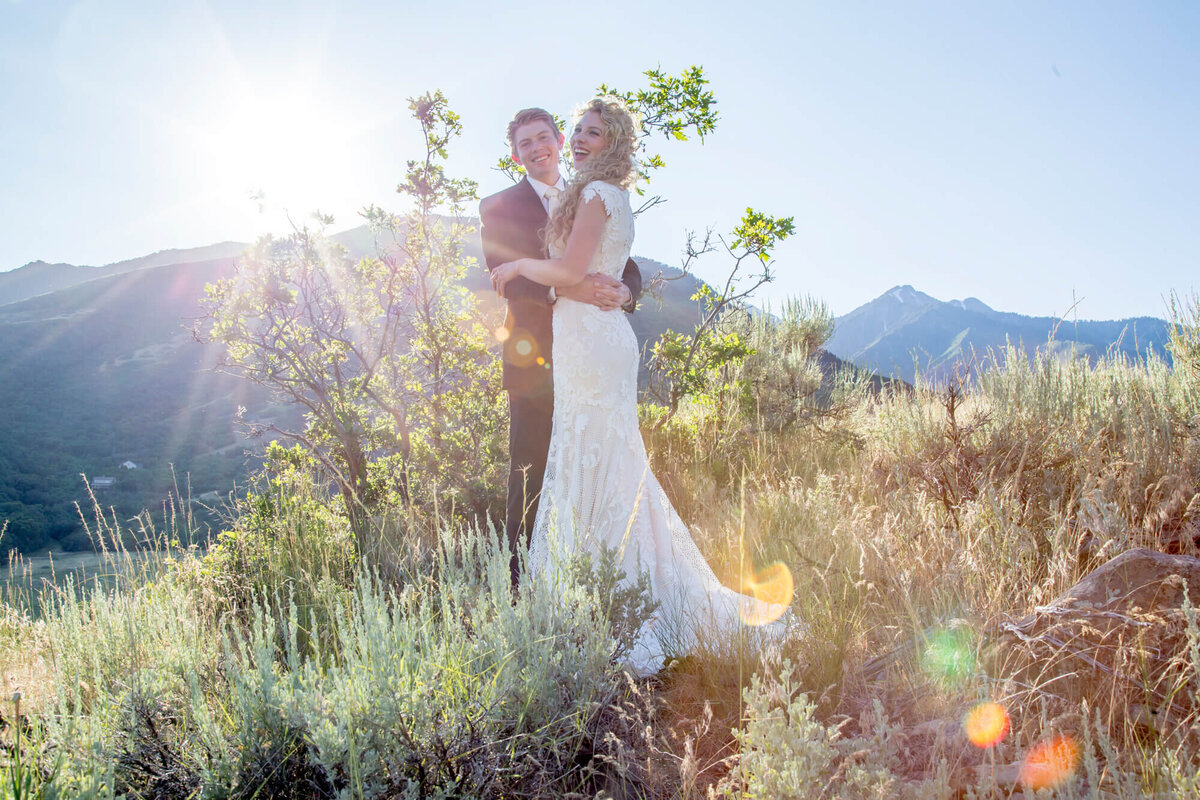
x=769, y=592
x=285, y=149
x=986, y=724
x=1049, y=763
x=275, y=152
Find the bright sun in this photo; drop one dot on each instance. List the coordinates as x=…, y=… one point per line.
x=276, y=152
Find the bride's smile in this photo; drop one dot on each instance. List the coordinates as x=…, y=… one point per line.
x=588, y=139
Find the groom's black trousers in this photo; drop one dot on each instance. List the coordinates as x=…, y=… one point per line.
x=530, y=419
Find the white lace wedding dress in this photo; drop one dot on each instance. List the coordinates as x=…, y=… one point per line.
x=598, y=489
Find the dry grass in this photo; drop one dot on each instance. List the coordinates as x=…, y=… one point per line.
x=918, y=528
x=962, y=509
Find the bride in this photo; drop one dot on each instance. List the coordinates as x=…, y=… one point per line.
x=598, y=490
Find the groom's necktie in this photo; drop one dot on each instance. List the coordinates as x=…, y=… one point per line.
x=552, y=195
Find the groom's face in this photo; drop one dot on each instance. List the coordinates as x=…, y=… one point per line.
x=536, y=147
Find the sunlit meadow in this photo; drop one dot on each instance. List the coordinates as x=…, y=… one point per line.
x=909, y=531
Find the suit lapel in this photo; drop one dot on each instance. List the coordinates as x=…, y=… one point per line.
x=529, y=197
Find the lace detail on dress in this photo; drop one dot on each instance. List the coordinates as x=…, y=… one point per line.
x=614, y=198
x=598, y=489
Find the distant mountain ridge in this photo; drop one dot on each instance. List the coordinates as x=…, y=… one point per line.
x=904, y=331
x=38, y=277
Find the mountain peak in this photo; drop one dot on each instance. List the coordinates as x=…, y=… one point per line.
x=906, y=294
x=904, y=328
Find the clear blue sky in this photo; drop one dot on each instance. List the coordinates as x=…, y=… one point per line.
x=1020, y=152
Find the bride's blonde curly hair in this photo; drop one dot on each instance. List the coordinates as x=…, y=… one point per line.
x=616, y=164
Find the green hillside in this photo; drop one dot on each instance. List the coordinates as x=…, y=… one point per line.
x=104, y=373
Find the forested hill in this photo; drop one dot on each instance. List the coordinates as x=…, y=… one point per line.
x=105, y=371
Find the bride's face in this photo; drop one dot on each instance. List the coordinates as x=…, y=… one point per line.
x=589, y=139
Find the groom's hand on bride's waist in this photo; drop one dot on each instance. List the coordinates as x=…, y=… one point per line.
x=598, y=290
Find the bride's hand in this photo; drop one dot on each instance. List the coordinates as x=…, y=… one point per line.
x=504, y=273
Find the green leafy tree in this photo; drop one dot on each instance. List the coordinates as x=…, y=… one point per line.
x=387, y=355
x=703, y=363
x=674, y=107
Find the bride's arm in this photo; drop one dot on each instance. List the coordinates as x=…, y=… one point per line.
x=570, y=268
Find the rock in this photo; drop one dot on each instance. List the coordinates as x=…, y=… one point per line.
x=1139, y=579
x=1117, y=639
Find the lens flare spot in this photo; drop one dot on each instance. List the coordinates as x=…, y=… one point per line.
x=949, y=656
x=986, y=724
x=521, y=349
x=540, y=361
x=1050, y=763
x=769, y=593
x=502, y=333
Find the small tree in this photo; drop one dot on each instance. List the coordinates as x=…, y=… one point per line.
x=702, y=363
x=781, y=382
x=386, y=355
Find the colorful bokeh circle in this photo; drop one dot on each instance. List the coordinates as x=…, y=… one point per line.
x=1049, y=763
x=986, y=724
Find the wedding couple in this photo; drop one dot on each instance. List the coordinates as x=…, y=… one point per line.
x=579, y=477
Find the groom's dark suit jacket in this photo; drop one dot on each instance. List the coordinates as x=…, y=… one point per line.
x=510, y=227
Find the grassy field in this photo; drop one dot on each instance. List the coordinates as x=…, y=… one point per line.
x=925, y=533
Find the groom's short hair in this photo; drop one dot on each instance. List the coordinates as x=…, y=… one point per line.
x=527, y=115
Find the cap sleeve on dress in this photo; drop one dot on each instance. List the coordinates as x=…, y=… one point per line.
x=609, y=194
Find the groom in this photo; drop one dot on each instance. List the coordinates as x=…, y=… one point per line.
x=511, y=223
